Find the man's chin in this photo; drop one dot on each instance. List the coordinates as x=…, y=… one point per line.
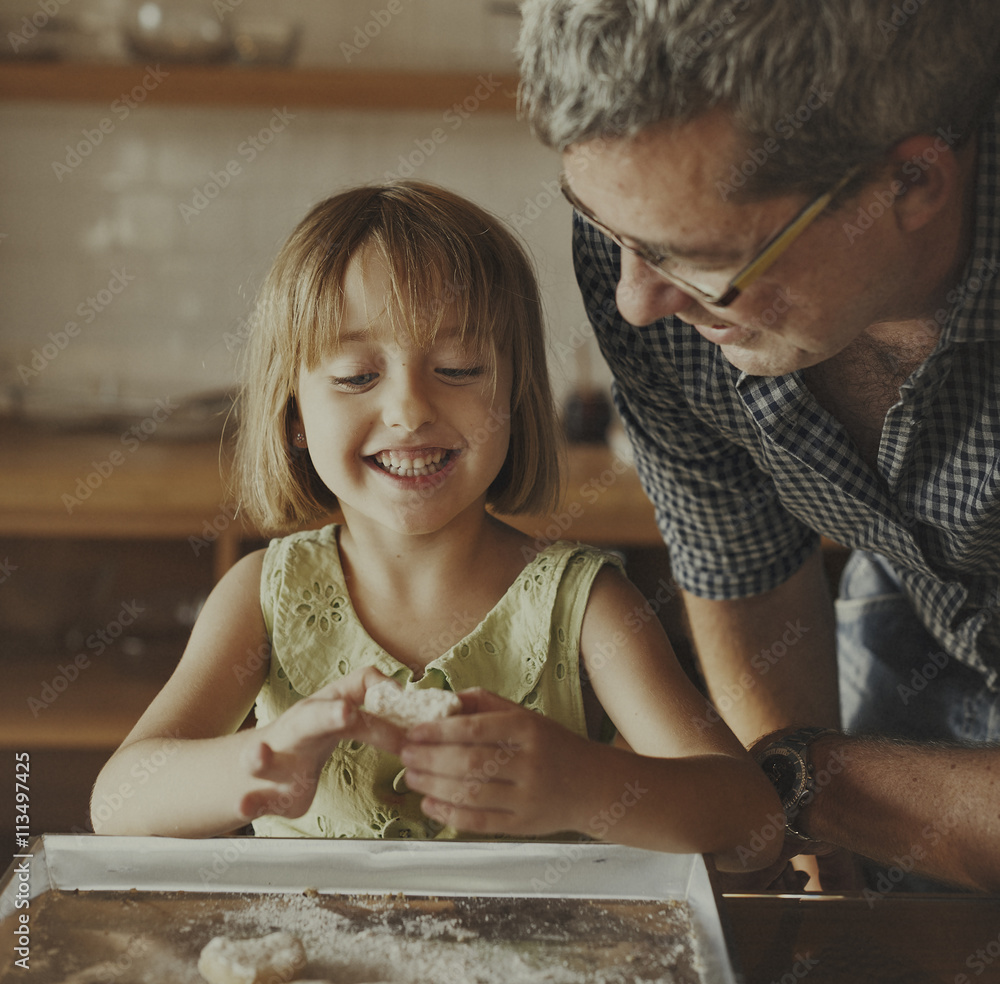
x=765, y=360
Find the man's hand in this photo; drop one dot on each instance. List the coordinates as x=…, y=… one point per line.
x=821, y=868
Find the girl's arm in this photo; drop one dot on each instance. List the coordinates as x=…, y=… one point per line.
x=689, y=786
x=186, y=771
x=714, y=798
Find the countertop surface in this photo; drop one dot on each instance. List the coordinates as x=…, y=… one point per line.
x=887, y=937
x=104, y=484
x=874, y=938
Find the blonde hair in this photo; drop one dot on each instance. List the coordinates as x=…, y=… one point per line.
x=443, y=255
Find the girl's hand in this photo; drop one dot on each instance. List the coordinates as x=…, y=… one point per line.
x=498, y=768
x=284, y=759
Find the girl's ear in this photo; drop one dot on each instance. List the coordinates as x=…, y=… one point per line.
x=295, y=432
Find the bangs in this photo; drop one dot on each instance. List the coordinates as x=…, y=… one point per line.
x=439, y=276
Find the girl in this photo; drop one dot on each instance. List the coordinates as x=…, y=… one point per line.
x=396, y=370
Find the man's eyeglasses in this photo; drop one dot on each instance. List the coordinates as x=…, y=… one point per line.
x=717, y=295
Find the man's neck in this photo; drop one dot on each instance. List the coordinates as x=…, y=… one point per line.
x=859, y=384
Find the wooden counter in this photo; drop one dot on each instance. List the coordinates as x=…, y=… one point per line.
x=873, y=938
x=101, y=485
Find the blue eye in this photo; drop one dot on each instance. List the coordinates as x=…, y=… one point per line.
x=355, y=382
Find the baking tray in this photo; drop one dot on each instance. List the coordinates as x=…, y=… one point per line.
x=407, y=883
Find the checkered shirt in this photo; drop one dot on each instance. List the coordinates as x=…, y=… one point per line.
x=746, y=471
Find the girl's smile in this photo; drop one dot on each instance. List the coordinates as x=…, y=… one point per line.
x=416, y=464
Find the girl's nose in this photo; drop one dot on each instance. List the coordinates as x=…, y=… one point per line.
x=408, y=403
x=643, y=296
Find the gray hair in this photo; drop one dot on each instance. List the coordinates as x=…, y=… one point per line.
x=814, y=87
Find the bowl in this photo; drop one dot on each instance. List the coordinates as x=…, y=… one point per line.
x=266, y=41
x=185, y=31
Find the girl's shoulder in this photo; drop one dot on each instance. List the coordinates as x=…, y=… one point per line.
x=245, y=573
x=236, y=596
x=564, y=572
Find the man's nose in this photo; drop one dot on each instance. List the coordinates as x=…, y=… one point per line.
x=643, y=296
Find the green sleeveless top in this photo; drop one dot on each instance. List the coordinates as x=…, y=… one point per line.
x=526, y=649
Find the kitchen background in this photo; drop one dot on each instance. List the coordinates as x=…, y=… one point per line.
x=131, y=254
x=141, y=201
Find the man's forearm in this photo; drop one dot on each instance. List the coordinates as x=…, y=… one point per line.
x=770, y=660
x=929, y=808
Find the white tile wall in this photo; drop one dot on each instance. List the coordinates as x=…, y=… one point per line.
x=191, y=278
x=458, y=34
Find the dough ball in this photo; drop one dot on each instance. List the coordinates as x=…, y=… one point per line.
x=273, y=959
x=406, y=708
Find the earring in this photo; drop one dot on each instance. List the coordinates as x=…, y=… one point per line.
x=300, y=440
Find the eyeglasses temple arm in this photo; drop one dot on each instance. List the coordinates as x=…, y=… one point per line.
x=757, y=267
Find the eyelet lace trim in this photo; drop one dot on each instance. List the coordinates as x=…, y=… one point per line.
x=320, y=606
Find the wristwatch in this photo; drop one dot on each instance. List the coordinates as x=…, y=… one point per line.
x=786, y=763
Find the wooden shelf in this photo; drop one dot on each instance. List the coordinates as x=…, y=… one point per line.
x=97, y=485
x=92, y=484
x=70, y=485
x=54, y=703
x=221, y=85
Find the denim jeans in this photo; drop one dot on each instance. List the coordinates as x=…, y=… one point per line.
x=896, y=681
x=894, y=678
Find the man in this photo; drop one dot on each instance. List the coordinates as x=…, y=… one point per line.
x=787, y=236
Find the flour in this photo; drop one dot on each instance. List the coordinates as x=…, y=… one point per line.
x=363, y=939
x=412, y=706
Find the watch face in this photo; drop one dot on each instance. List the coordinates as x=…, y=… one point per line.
x=787, y=773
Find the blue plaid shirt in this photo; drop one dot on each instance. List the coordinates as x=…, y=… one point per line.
x=746, y=471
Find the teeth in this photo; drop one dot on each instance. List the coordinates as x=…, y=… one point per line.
x=428, y=464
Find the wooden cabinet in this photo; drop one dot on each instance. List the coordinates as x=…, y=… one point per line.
x=216, y=85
